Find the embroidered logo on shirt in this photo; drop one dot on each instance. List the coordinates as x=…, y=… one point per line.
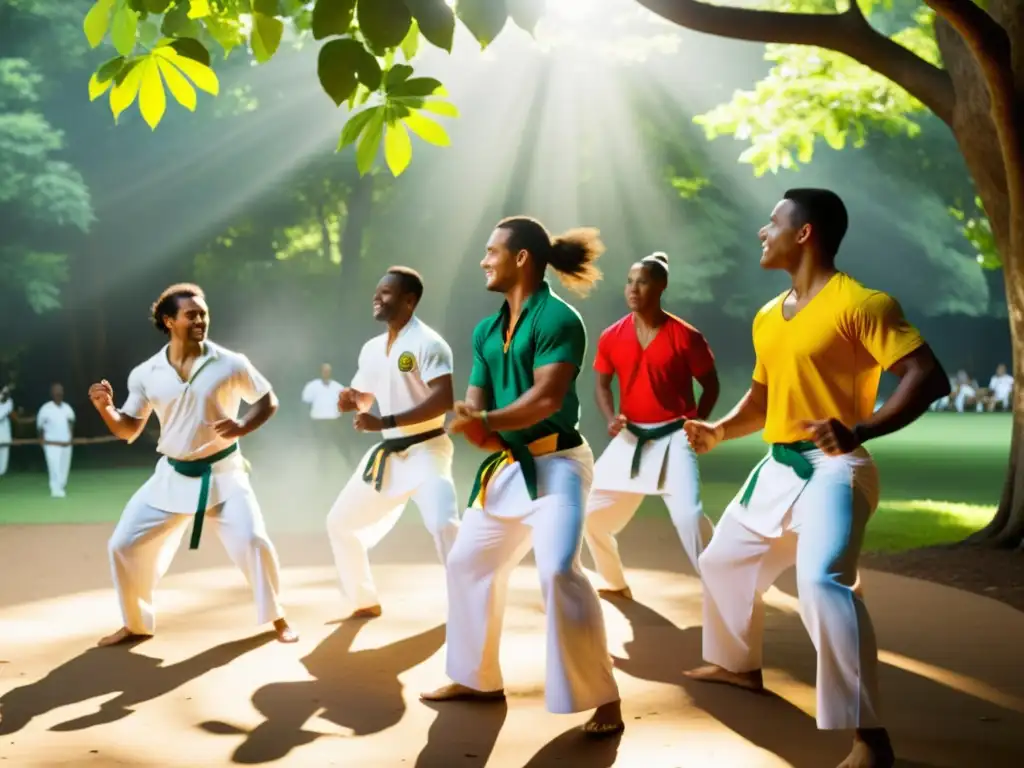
x=406, y=362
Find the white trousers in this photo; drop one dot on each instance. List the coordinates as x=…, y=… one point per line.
x=5, y=453
x=58, y=465
x=609, y=510
x=818, y=526
x=361, y=516
x=491, y=542
x=145, y=540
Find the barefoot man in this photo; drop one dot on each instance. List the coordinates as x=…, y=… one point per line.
x=408, y=371
x=820, y=349
x=522, y=403
x=655, y=356
x=195, y=387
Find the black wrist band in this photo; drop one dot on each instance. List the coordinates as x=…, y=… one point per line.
x=389, y=422
x=858, y=434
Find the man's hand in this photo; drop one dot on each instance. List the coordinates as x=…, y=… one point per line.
x=616, y=425
x=469, y=422
x=102, y=395
x=347, y=400
x=831, y=436
x=367, y=422
x=703, y=436
x=229, y=428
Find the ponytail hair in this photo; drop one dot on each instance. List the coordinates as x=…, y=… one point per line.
x=571, y=254
x=657, y=265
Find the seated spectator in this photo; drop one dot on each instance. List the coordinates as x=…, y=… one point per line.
x=966, y=392
x=1000, y=389
x=944, y=403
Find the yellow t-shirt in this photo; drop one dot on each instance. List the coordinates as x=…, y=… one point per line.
x=825, y=362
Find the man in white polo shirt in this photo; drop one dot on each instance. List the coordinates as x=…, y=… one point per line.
x=1000, y=388
x=6, y=415
x=321, y=395
x=408, y=371
x=55, y=424
x=195, y=387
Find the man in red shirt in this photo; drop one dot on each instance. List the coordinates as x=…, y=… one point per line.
x=656, y=356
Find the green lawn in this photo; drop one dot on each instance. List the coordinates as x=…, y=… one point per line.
x=941, y=479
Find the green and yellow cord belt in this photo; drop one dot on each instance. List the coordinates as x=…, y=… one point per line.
x=787, y=454
x=374, y=470
x=645, y=435
x=203, y=469
x=524, y=454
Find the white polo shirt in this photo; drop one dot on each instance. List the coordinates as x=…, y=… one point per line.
x=322, y=398
x=220, y=380
x=1001, y=386
x=398, y=378
x=53, y=422
x=6, y=409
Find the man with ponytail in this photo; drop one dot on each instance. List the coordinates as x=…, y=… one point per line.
x=522, y=405
x=655, y=356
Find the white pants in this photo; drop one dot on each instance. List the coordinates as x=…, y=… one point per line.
x=146, y=539
x=491, y=542
x=58, y=465
x=610, y=509
x=361, y=516
x=819, y=527
x=5, y=452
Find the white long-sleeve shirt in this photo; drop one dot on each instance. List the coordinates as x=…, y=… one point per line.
x=322, y=398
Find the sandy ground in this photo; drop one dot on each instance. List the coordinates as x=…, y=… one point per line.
x=209, y=690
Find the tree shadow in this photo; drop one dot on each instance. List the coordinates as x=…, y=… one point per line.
x=101, y=671
x=356, y=690
x=463, y=731
x=574, y=748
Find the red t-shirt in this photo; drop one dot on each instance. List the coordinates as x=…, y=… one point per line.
x=655, y=384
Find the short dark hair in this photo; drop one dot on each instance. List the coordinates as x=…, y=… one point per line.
x=571, y=254
x=656, y=265
x=409, y=281
x=167, y=305
x=825, y=212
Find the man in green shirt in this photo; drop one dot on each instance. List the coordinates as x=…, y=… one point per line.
x=522, y=404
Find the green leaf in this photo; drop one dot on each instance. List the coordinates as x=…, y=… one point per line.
x=526, y=13
x=332, y=17
x=436, y=21
x=805, y=143
x=399, y=73
x=429, y=130
x=416, y=87
x=438, y=107
x=108, y=70
x=484, y=18
x=355, y=126
x=384, y=23
x=411, y=45
x=366, y=150
x=193, y=49
x=397, y=148
x=198, y=9
x=181, y=89
x=344, y=63
x=123, y=28
x=157, y=6
x=176, y=23
x=152, y=99
x=265, y=37
x=149, y=33
x=97, y=21
x=228, y=34
x=267, y=7
x=834, y=135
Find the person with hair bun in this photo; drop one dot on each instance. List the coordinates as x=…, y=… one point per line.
x=522, y=405
x=656, y=357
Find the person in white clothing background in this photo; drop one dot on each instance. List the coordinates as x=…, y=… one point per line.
x=55, y=423
x=1000, y=389
x=407, y=370
x=6, y=415
x=321, y=395
x=195, y=387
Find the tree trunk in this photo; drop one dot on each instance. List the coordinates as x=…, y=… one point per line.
x=357, y=217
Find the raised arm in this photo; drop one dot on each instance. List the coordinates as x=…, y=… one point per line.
x=125, y=424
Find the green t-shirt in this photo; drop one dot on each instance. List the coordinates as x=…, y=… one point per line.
x=548, y=331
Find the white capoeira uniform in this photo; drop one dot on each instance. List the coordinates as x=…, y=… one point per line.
x=413, y=461
x=54, y=424
x=6, y=409
x=156, y=517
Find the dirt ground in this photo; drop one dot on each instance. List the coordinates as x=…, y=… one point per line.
x=210, y=690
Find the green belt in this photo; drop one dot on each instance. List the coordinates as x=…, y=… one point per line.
x=203, y=469
x=645, y=435
x=374, y=470
x=519, y=452
x=788, y=454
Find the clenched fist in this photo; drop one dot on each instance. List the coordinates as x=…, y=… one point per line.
x=102, y=395
x=616, y=425
x=703, y=436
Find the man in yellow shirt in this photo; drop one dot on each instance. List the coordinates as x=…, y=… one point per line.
x=820, y=350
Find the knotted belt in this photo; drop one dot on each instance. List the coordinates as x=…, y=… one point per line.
x=374, y=471
x=645, y=435
x=787, y=454
x=202, y=469
x=524, y=454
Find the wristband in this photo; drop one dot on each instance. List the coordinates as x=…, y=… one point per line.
x=388, y=422
x=858, y=433
x=483, y=420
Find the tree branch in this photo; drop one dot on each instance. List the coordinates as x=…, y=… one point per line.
x=847, y=32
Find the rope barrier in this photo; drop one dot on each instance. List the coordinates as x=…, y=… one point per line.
x=74, y=441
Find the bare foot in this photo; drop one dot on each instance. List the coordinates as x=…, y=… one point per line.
x=606, y=721
x=366, y=613
x=456, y=692
x=285, y=634
x=625, y=593
x=122, y=635
x=712, y=673
x=871, y=749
